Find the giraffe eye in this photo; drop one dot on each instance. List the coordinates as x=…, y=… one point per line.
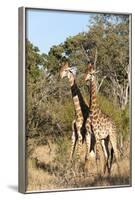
x=66, y=70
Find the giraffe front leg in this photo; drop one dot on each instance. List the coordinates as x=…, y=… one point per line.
x=88, y=144
x=74, y=139
x=90, y=158
x=88, y=141
x=97, y=150
x=79, y=146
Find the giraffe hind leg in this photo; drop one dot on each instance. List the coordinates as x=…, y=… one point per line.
x=106, y=155
x=111, y=158
x=116, y=152
x=110, y=153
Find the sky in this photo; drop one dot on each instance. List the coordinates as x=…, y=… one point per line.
x=45, y=28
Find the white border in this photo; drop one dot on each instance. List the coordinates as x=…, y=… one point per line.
x=22, y=89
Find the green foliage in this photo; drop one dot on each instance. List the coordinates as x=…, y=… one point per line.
x=33, y=61
x=125, y=125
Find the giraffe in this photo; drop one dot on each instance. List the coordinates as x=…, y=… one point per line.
x=81, y=111
x=103, y=127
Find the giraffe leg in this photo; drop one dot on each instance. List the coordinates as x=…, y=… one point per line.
x=111, y=159
x=97, y=149
x=106, y=155
x=88, y=142
x=79, y=142
x=74, y=139
x=116, y=152
x=90, y=158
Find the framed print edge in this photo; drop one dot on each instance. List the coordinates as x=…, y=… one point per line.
x=22, y=176
x=130, y=91
x=21, y=92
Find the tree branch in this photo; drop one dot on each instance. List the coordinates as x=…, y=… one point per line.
x=101, y=82
x=86, y=55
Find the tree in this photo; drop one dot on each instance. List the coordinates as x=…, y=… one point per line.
x=111, y=36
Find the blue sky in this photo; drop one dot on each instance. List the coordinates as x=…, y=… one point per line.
x=46, y=28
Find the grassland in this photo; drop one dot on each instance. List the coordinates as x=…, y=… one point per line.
x=49, y=168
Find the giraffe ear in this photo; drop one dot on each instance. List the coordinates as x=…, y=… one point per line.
x=73, y=70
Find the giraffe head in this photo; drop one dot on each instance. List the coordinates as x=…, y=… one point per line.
x=90, y=72
x=67, y=71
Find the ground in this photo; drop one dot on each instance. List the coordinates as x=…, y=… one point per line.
x=49, y=168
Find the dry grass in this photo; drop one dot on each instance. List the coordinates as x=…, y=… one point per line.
x=40, y=170
x=48, y=168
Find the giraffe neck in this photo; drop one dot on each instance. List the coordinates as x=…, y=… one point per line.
x=93, y=102
x=81, y=107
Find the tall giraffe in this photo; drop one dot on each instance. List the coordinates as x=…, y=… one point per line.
x=103, y=127
x=81, y=111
